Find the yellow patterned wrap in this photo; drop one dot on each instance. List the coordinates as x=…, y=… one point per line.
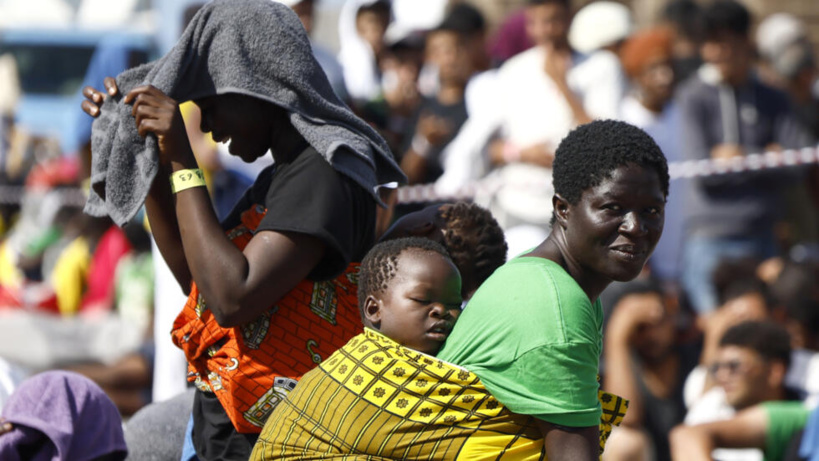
x=374, y=399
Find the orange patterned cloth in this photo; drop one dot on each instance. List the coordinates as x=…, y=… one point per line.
x=253, y=367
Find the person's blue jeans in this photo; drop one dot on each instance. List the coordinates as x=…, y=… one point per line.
x=701, y=256
x=188, y=450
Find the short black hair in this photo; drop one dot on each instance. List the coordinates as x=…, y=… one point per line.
x=380, y=7
x=381, y=264
x=795, y=291
x=564, y=3
x=464, y=19
x=635, y=287
x=590, y=153
x=475, y=242
x=795, y=282
x=768, y=339
x=686, y=17
x=726, y=16
x=736, y=277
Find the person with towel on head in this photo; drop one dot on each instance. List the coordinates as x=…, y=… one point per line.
x=271, y=288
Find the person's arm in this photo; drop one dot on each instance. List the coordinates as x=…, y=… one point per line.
x=159, y=203
x=695, y=443
x=627, y=316
x=430, y=132
x=557, y=68
x=236, y=283
x=503, y=152
x=697, y=113
x=569, y=443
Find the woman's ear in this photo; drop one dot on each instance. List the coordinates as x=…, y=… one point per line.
x=561, y=210
x=372, y=311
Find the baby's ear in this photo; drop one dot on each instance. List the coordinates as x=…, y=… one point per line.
x=372, y=311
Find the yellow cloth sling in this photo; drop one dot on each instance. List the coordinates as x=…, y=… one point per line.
x=375, y=399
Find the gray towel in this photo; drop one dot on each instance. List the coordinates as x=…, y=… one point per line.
x=253, y=47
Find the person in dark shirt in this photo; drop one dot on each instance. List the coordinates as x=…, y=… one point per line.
x=645, y=363
x=438, y=119
x=727, y=113
x=259, y=314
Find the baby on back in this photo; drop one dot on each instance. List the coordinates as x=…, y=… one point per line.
x=410, y=291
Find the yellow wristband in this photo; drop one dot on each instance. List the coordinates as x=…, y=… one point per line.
x=185, y=179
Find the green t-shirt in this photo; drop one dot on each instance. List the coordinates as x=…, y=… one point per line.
x=785, y=418
x=534, y=338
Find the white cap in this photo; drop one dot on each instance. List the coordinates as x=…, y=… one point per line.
x=600, y=24
x=776, y=32
x=288, y=3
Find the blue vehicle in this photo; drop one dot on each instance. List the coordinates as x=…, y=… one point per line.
x=52, y=65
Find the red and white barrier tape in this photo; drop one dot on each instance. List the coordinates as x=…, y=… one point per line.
x=676, y=170
x=489, y=185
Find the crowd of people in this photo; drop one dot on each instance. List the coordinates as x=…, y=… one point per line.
x=242, y=233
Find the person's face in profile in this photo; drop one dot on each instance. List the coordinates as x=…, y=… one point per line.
x=421, y=304
x=615, y=225
x=743, y=374
x=249, y=124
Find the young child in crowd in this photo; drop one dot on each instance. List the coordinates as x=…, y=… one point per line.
x=410, y=291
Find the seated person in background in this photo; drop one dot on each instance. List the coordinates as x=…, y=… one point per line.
x=647, y=364
x=362, y=25
x=770, y=427
x=409, y=296
x=647, y=60
x=727, y=113
x=394, y=108
x=83, y=275
x=796, y=295
x=749, y=368
x=742, y=297
x=63, y=416
x=438, y=119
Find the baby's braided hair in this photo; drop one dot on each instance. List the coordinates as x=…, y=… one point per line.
x=381, y=264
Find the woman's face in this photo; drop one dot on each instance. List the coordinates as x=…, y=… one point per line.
x=614, y=227
x=249, y=124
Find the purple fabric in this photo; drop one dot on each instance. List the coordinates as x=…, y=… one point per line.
x=511, y=39
x=58, y=415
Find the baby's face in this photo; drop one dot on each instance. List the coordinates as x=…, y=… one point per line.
x=419, y=307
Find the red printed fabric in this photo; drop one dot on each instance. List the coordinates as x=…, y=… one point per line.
x=252, y=367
